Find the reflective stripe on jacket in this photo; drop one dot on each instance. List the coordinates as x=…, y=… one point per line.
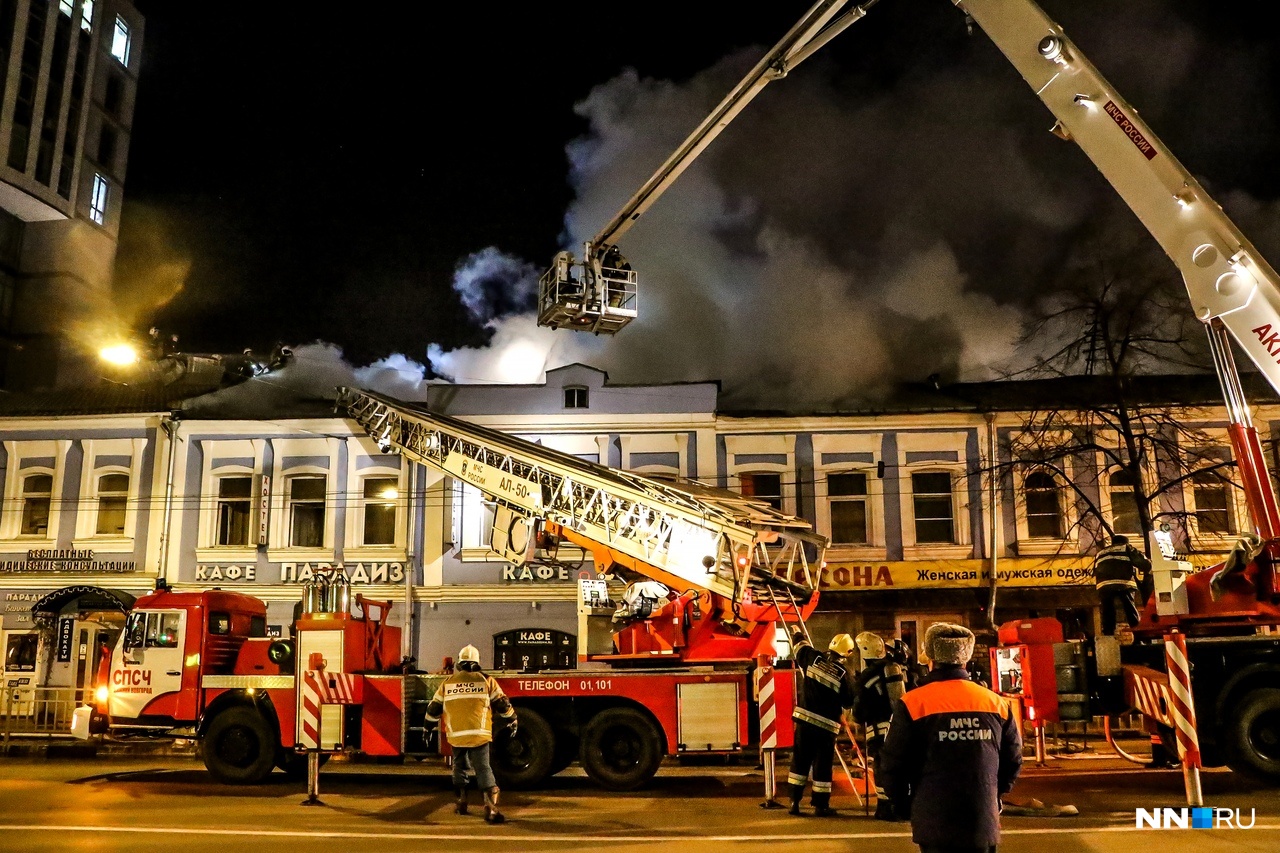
x=953, y=749
x=1119, y=565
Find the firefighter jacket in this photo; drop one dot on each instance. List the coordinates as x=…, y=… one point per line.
x=953, y=749
x=1119, y=565
x=468, y=699
x=825, y=690
x=876, y=689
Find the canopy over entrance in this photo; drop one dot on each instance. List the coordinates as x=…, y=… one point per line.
x=87, y=597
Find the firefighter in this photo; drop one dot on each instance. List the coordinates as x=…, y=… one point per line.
x=881, y=683
x=825, y=691
x=1117, y=571
x=468, y=699
x=953, y=750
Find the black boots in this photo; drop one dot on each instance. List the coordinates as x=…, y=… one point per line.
x=461, y=806
x=491, y=813
x=797, y=791
x=884, y=809
x=822, y=806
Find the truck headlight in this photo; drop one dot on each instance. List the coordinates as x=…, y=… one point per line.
x=102, y=694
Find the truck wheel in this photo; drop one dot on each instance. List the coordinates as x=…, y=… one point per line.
x=1253, y=735
x=621, y=749
x=239, y=747
x=524, y=760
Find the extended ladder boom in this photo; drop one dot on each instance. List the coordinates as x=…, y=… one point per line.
x=701, y=538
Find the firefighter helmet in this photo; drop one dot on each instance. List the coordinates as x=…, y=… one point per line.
x=841, y=644
x=870, y=646
x=469, y=653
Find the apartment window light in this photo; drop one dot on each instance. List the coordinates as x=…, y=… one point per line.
x=98, y=200
x=86, y=16
x=120, y=41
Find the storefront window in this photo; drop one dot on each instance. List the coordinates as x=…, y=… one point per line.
x=932, y=501
x=113, y=498
x=37, y=493
x=380, y=496
x=20, y=652
x=306, y=511
x=848, y=496
x=235, y=500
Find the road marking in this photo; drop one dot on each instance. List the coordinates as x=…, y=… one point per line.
x=544, y=839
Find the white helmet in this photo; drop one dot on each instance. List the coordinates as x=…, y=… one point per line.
x=469, y=653
x=870, y=645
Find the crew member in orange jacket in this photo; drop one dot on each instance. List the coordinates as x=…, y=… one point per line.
x=952, y=751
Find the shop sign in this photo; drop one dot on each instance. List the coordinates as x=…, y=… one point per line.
x=17, y=608
x=954, y=574
x=66, y=631
x=536, y=574
x=371, y=573
x=69, y=561
x=264, y=508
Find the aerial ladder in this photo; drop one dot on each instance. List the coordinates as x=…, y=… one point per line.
x=735, y=564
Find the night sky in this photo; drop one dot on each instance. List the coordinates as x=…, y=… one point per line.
x=392, y=185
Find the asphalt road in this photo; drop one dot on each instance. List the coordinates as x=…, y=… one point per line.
x=130, y=804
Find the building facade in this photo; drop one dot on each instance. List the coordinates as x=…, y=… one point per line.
x=68, y=83
x=924, y=500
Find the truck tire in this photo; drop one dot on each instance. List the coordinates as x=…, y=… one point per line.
x=239, y=747
x=524, y=760
x=1252, y=735
x=621, y=749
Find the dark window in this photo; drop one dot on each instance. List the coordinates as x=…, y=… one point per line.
x=107, y=139
x=848, y=496
x=219, y=623
x=257, y=626
x=1213, y=503
x=575, y=398
x=37, y=495
x=932, y=500
x=62, y=31
x=235, y=501
x=766, y=487
x=28, y=72
x=1044, y=505
x=113, y=501
x=1124, y=504
x=306, y=511
x=380, y=496
x=113, y=96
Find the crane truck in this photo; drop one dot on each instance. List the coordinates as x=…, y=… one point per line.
x=1228, y=613
x=671, y=678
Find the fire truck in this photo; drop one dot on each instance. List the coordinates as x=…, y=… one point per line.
x=1227, y=614
x=661, y=675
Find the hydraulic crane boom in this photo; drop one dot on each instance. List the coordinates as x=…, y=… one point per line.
x=687, y=537
x=599, y=293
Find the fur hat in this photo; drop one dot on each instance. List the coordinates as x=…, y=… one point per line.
x=948, y=644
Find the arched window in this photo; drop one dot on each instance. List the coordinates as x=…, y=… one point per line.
x=1044, y=505
x=1124, y=503
x=37, y=496
x=113, y=500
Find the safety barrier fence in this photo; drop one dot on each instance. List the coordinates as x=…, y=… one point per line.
x=45, y=712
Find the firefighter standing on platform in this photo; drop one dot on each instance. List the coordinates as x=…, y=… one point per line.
x=1117, y=571
x=881, y=683
x=467, y=700
x=825, y=691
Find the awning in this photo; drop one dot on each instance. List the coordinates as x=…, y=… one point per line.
x=50, y=605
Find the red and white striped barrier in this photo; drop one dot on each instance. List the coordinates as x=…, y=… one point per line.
x=767, y=700
x=320, y=687
x=1183, y=710
x=1148, y=691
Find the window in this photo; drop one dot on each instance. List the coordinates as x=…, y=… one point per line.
x=766, y=487
x=86, y=16
x=235, y=503
x=107, y=140
x=380, y=495
x=66, y=7
x=37, y=495
x=575, y=398
x=306, y=511
x=1124, y=504
x=1213, y=504
x=98, y=201
x=120, y=41
x=220, y=623
x=113, y=499
x=152, y=630
x=848, y=496
x=932, y=501
x=1044, y=506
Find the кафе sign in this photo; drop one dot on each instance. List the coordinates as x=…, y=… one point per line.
x=294, y=573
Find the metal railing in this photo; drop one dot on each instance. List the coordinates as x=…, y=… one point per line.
x=39, y=711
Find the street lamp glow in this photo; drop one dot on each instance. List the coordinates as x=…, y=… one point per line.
x=119, y=354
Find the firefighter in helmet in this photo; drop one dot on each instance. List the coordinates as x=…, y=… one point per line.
x=468, y=699
x=826, y=689
x=881, y=683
